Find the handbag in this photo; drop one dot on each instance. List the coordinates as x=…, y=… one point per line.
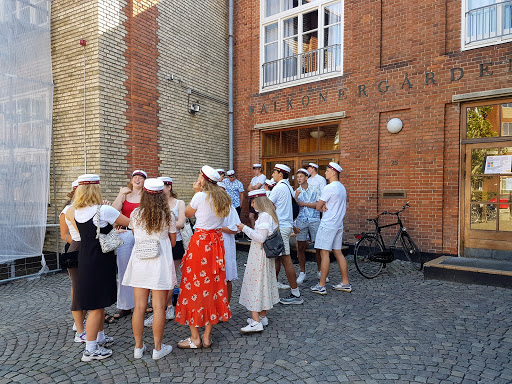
x=147, y=249
x=109, y=241
x=186, y=233
x=274, y=245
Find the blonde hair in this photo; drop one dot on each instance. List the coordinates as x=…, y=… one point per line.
x=87, y=195
x=263, y=204
x=154, y=213
x=219, y=198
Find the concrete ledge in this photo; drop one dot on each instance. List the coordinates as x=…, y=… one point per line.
x=481, y=95
x=328, y=117
x=465, y=270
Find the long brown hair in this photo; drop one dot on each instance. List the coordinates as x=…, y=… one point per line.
x=218, y=197
x=70, y=198
x=263, y=204
x=154, y=213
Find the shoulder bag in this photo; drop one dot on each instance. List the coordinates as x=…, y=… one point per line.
x=147, y=249
x=186, y=233
x=274, y=245
x=110, y=241
x=295, y=207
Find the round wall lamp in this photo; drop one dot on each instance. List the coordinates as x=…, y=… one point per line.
x=395, y=125
x=317, y=134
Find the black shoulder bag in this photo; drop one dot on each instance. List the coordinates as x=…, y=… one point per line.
x=274, y=245
x=295, y=207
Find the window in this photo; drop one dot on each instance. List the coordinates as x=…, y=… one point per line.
x=302, y=41
x=485, y=121
x=486, y=22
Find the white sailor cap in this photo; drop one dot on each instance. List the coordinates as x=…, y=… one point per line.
x=153, y=186
x=74, y=184
x=313, y=165
x=270, y=182
x=220, y=170
x=140, y=172
x=166, y=180
x=257, y=193
x=210, y=174
x=256, y=165
x=282, y=167
x=335, y=166
x=304, y=171
x=231, y=172
x=88, y=178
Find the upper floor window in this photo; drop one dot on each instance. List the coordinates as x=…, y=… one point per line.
x=302, y=41
x=486, y=22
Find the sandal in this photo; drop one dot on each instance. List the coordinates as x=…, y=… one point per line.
x=109, y=319
x=207, y=345
x=189, y=344
x=122, y=313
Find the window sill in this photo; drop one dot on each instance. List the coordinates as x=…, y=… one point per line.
x=294, y=83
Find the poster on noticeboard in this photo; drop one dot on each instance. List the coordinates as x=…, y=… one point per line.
x=498, y=164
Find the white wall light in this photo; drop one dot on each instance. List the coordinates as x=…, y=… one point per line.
x=394, y=125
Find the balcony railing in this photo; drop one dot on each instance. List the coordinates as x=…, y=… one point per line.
x=489, y=22
x=303, y=65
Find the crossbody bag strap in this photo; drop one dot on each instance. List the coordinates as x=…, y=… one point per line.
x=98, y=226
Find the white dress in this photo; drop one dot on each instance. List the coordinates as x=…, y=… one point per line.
x=157, y=273
x=259, y=288
x=231, y=222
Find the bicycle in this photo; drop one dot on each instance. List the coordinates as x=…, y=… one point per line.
x=371, y=253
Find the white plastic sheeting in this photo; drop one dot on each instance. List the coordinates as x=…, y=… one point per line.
x=26, y=93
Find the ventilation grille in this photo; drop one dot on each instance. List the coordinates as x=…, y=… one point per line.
x=394, y=194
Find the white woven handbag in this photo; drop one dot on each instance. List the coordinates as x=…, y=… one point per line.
x=110, y=241
x=186, y=234
x=147, y=249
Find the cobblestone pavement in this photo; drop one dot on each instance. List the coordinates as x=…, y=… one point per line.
x=396, y=328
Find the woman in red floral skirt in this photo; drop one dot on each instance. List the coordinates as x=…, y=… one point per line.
x=203, y=291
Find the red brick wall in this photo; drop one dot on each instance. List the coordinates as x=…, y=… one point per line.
x=386, y=40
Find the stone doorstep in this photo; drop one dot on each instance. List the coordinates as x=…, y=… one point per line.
x=467, y=270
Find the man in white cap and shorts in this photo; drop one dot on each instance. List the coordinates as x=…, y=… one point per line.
x=333, y=204
x=315, y=179
x=281, y=196
x=257, y=182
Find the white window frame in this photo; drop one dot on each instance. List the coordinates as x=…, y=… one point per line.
x=298, y=11
x=484, y=43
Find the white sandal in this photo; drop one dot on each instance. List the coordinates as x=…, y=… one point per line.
x=188, y=344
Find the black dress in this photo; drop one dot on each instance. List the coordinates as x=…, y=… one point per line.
x=97, y=272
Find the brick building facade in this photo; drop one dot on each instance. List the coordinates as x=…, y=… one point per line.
x=146, y=62
x=319, y=81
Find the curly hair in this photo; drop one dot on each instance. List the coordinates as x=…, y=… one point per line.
x=218, y=197
x=153, y=212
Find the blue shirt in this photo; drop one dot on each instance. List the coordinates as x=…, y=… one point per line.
x=310, y=195
x=233, y=188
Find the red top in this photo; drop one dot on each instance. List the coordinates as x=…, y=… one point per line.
x=128, y=208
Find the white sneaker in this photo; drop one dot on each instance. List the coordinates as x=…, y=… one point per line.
x=255, y=326
x=263, y=320
x=80, y=337
x=138, y=352
x=169, y=313
x=301, y=278
x=282, y=286
x=326, y=279
x=164, y=351
x=149, y=321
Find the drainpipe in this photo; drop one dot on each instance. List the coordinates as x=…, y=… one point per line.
x=230, y=85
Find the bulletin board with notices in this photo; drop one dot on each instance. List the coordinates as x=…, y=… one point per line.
x=498, y=164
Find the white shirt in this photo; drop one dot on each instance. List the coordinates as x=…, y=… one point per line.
x=108, y=215
x=281, y=196
x=205, y=216
x=335, y=197
x=318, y=181
x=71, y=228
x=258, y=180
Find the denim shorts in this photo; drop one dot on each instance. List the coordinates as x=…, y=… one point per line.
x=305, y=227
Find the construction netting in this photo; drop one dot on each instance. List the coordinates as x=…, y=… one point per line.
x=26, y=93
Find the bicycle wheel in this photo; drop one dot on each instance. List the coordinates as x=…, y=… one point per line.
x=363, y=256
x=412, y=252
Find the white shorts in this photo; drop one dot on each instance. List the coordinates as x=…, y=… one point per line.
x=285, y=234
x=329, y=238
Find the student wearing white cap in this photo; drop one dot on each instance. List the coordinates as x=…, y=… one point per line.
x=229, y=230
x=281, y=196
x=257, y=182
x=268, y=186
x=126, y=201
x=203, y=300
x=307, y=221
x=333, y=204
x=222, y=173
x=69, y=260
x=235, y=190
x=97, y=270
x=314, y=178
x=259, y=288
x=154, y=228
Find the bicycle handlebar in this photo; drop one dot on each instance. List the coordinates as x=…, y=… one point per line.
x=405, y=206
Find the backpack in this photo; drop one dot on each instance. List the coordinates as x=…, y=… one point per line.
x=295, y=207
